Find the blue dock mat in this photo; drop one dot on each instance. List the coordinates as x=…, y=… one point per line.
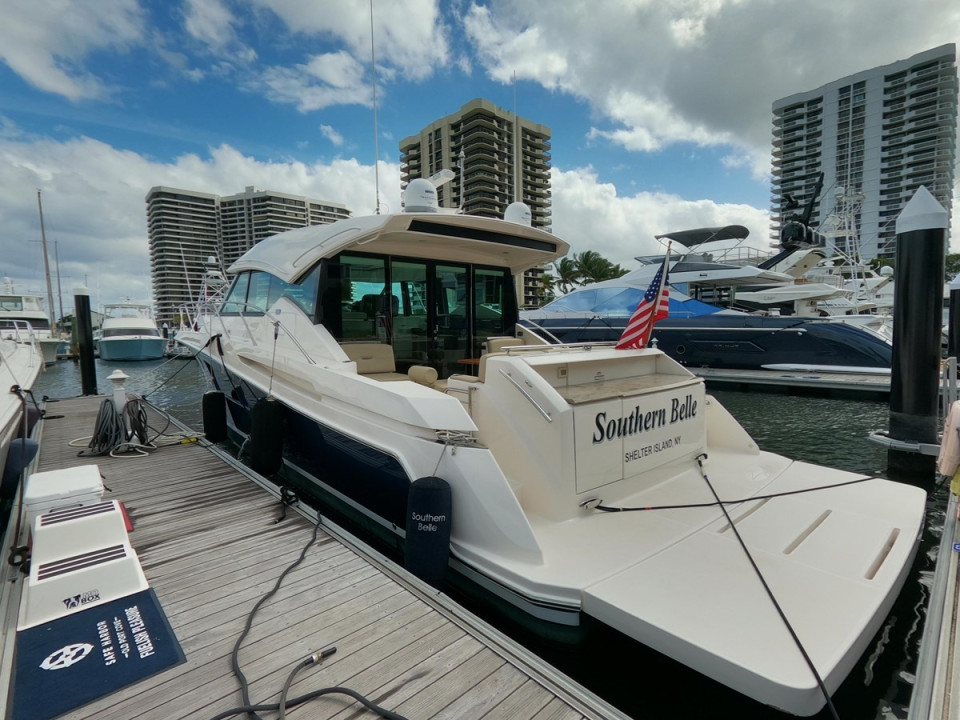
x=79, y=658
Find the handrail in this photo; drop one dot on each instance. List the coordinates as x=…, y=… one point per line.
x=921, y=699
x=527, y=395
x=259, y=312
x=20, y=326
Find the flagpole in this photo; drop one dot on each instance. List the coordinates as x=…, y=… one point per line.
x=653, y=306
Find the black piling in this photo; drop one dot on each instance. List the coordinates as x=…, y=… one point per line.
x=953, y=324
x=917, y=328
x=84, y=323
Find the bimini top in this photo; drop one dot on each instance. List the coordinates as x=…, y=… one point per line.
x=456, y=238
x=699, y=236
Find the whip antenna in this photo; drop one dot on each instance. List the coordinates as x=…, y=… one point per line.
x=376, y=151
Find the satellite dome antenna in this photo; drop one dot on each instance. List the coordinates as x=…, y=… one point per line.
x=518, y=212
x=420, y=196
x=376, y=150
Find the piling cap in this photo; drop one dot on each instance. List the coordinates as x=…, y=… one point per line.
x=922, y=212
x=81, y=290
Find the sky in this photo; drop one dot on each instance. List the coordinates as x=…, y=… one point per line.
x=660, y=110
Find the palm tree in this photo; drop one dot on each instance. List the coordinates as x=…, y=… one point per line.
x=546, y=289
x=568, y=275
x=594, y=267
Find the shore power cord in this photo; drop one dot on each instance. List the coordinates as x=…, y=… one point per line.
x=283, y=704
x=128, y=431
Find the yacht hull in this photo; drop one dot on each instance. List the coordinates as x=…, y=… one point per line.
x=737, y=341
x=131, y=348
x=358, y=474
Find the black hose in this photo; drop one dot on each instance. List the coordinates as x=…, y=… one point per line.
x=273, y=707
x=283, y=704
x=109, y=431
x=235, y=655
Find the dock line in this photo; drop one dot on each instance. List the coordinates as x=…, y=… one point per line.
x=733, y=526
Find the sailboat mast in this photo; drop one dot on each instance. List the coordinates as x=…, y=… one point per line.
x=56, y=257
x=46, y=269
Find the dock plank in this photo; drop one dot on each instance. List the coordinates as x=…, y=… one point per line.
x=210, y=545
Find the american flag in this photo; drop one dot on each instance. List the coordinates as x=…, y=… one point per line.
x=653, y=306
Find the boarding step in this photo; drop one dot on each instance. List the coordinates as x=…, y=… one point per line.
x=71, y=583
x=77, y=530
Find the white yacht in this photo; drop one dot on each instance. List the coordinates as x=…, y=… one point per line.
x=709, y=325
x=22, y=314
x=129, y=332
x=21, y=362
x=387, y=346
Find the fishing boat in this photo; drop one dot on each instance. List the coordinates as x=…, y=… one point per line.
x=129, y=332
x=22, y=316
x=377, y=358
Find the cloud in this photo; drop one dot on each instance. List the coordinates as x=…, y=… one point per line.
x=409, y=36
x=591, y=215
x=95, y=212
x=47, y=43
x=93, y=198
x=213, y=25
x=325, y=80
x=332, y=135
x=705, y=72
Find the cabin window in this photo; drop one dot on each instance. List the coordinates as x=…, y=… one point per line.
x=354, y=303
x=495, y=303
x=117, y=332
x=11, y=302
x=304, y=293
x=436, y=314
x=236, y=300
x=253, y=293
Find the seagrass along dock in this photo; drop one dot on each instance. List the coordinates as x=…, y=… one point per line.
x=207, y=536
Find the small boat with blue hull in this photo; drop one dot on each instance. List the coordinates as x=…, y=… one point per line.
x=376, y=352
x=129, y=332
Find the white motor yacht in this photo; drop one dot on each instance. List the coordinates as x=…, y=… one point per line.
x=23, y=315
x=584, y=480
x=129, y=332
x=21, y=362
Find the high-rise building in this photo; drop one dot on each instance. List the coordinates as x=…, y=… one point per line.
x=248, y=217
x=505, y=158
x=185, y=228
x=876, y=136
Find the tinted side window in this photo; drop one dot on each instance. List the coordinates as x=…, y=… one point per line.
x=237, y=296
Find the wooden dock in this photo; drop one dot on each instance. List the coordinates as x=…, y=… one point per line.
x=209, y=544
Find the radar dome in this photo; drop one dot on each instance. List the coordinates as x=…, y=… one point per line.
x=518, y=212
x=886, y=271
x=420, y=196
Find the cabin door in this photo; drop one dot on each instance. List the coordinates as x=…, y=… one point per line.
x=431, y=320
x=433, y=313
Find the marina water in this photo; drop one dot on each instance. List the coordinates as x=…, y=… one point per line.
x=642, y=683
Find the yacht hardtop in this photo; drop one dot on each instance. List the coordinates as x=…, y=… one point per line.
x=389, y=345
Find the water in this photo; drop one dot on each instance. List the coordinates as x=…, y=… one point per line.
x=640, y=682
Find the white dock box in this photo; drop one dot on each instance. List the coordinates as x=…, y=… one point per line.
x=61, y=488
